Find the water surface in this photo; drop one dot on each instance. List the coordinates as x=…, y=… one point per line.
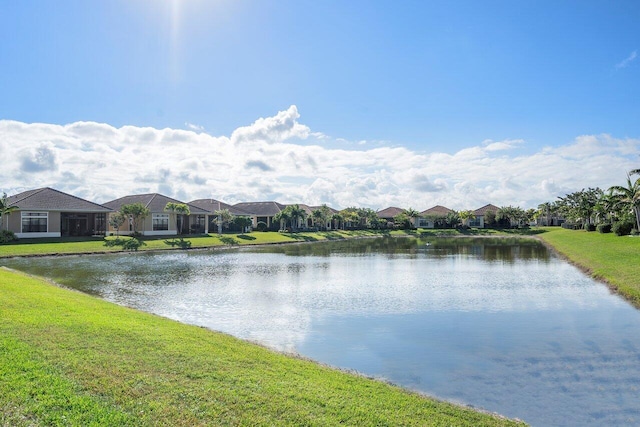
x=497, y=324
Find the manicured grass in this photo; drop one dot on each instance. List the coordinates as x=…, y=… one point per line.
x=30, y=247
x=608, y=257
x=70, y=359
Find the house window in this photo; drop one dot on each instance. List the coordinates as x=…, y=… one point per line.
x=101, y=223
x=160, y=222
x=34, y=222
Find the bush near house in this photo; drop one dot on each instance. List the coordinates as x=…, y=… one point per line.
x=7, y=236
x=622, y=228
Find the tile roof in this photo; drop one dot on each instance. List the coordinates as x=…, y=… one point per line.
x=212, y=205
x=389, y=212
x=485, y=208
x=436, y=211
x=260, y=208
x=315, y=208
x=153, y=201
x=49, y=199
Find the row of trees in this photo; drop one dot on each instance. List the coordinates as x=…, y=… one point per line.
x=503, y=217
x=323, y=218
x=293, y=216
x=617, y=208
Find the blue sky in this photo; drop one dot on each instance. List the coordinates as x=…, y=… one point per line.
x=431, y=77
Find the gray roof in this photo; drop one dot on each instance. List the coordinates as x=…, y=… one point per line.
x=49, y=199
x=153, y=201
x=436, y=211
x=315, y=208
x=260, y=208
x=212, y=205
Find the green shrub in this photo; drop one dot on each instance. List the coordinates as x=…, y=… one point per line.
x=590, y=227
x=261, y=226
x=604, y=228
x=7, y=236
x=622, y=228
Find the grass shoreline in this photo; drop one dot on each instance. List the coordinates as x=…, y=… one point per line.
x=72, y=359
x=610, y=259
x=95, y=246
x=66, y=363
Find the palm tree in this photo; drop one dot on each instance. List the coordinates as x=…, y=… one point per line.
x=321, y=215
x=412, y=214
x=511, y=215
x=337, y=219
x=465, y=216
x=628, y=198
x=545, y=209
x=282, y=217
x=5, y=209
x=297, y=214
x=180, y=209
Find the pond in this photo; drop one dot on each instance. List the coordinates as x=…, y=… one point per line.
x=499, y=324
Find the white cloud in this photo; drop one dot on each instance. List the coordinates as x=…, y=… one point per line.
x=507, y=144
x=632, y=56
x=194, y=127
x=275, y=129
x=280, y=158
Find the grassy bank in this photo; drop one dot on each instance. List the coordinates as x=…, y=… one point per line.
x=608, y=257
x=57, y=246
x=70, y=359
x=80, y=245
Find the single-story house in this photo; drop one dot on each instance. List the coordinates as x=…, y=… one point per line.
x=213, y=205
x=428, y=218
x=480, y=213
x=389, y=213
x=161, y=222
x=46, y=212
x=262, y=213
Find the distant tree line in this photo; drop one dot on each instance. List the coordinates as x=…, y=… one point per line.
x=614, y=210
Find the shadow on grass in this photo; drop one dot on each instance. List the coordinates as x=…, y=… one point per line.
x=524, y=231
x=245, y=237
x=303, y=238
x=181, y=243
x=332, y=235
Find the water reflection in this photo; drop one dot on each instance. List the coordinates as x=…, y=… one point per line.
x=487, y=322
x=489, y=249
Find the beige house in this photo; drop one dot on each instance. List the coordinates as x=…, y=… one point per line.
x=46, y=212
x=429, y=217
x=262, y=213
x=480, y=213
x=210, y=206
x=389, y=213
x=160, y=222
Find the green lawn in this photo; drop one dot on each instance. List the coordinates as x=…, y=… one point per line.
x=70, y=359
x=611, y=258
x=30, y=247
